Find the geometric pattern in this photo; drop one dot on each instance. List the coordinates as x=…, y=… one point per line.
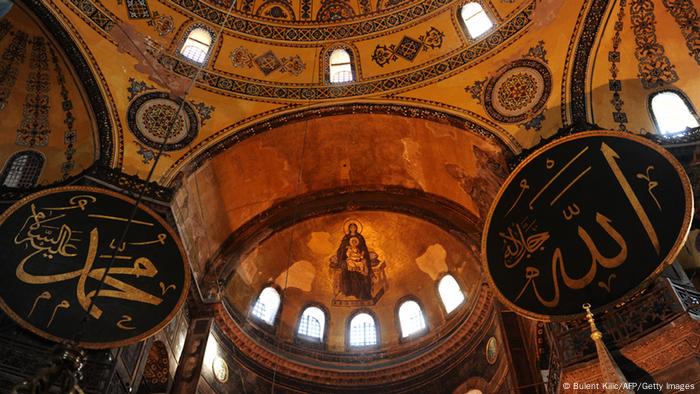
x=582, y=52
x=22, y=169
x=267, y=62
x=408, y=48
x=138, y=9
x=313, y=34
x=520, y=90
x=70, y=135
x=614, y=84
x=155, y=119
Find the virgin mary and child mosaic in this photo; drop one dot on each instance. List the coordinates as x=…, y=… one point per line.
x=358, y=273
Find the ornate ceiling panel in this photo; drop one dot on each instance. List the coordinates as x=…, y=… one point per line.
x=43, y=107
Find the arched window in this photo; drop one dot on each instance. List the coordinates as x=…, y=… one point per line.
x=340, y=66
x=312, y=324
x=197, y=45
x=22, y=169
x=363, y=330
x=450, y=293
x=266, y=306
x=475, y=19
x=411, y=319
x=672, y=113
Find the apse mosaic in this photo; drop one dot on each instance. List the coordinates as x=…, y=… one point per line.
x=357, y=271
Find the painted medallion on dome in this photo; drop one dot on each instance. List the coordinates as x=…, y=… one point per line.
x=156, y=119
x=520, y=90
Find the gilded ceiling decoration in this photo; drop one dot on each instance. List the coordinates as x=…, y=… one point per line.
x=267, y=62
x=358, y=17
x=408, y=48
x=655, y=69
x=518, y=91
x=615, y=85
x=686, y=15
x=42, y=107
x=151, y=117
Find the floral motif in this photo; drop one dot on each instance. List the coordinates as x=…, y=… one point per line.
x=204, y=111
x=538, y=52
x=11, y=58
x=293, y=65
x=162, y=24
x=136, y=87
x=476, y=89
x=517, y=91
x=242, y=57
x=687, y=18
x=655, y=69
x=34, y=128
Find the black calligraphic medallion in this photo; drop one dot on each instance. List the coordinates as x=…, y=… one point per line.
x=55, y=246
x=589, y=218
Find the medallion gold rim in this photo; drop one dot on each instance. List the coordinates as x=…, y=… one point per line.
x=102, y=345
x=668, y=260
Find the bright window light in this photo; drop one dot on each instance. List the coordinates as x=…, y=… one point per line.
x=672, y=113
x=312, y=323
x=450, y=293
x=197, y=45
x=363, y=331
x=475, y=19
x=411, y=318
x=266, y=306
x=340, y=68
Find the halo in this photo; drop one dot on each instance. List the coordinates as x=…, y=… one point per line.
x=347, y=223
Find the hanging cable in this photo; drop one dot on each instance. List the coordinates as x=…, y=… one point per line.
x=295, y=217
x=142, y=192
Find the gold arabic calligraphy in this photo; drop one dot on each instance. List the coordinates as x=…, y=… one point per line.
x=521, y=242
x=42, y=235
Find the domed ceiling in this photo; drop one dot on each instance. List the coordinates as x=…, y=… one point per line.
x=541, y=67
